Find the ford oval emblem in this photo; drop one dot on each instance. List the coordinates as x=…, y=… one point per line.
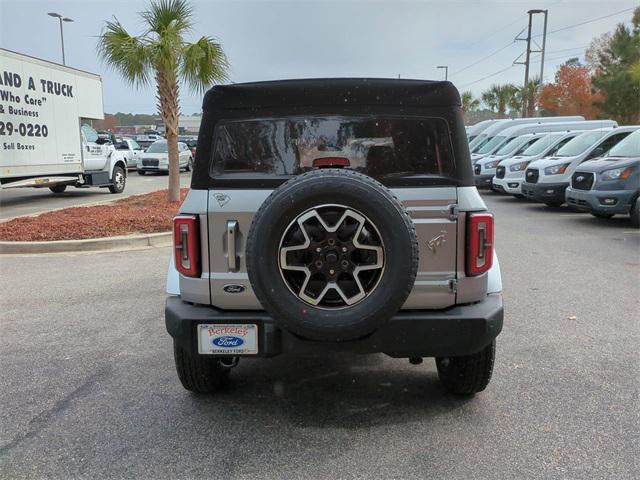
x=232, y=288
x=228, y=342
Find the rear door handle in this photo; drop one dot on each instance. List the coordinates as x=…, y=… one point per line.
x=232, y=259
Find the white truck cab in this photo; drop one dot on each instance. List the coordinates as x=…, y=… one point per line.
x=547, y=179
x=129, y=150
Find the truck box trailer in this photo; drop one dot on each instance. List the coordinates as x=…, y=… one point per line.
x=45, y=136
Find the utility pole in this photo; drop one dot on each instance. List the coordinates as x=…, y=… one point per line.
x=528, y=53
x=446, y=71
x=544, y=47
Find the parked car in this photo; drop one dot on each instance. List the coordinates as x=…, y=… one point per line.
x=510, y=171
x=156, y=158
x=192, y=143
x=282, y=247
x=611, y=184
x=547, y=179
x=129, y=150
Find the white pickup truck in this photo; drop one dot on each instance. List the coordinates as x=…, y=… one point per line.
x=45, y=137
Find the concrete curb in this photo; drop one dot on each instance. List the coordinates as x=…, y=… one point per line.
x=124, y=242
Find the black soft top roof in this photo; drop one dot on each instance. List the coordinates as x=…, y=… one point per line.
x=332, y=91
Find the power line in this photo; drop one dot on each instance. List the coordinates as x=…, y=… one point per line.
x=495, y=32
x=483, y=58
x=486, y=76
x=587, y=21
x=569, y=49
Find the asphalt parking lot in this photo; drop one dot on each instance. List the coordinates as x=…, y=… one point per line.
x=28, y=201
x=89, y=388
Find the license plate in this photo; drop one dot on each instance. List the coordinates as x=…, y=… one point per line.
x=235, y=339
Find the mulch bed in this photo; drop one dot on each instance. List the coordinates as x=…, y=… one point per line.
x=148, y=213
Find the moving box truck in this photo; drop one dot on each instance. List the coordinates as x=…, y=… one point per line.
x=45, y=137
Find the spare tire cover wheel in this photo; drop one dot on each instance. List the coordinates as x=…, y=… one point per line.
x=332, y=255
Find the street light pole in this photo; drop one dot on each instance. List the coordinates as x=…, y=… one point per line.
x=61, y=19
x=446, y=71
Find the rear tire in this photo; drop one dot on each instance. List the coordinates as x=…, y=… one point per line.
x=58, y=188
x=199, y=374
x=601, y=215
x=553, y=204
x=519, y=196
x=467, y=374
x=141, y=172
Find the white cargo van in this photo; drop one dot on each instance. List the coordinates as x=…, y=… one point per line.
x=474, y=130
x=487, y=135
x=44, y=139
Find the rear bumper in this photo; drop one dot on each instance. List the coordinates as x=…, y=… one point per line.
x=484, y=180
x=594, y=200
x=459, y=330
x=545, y=192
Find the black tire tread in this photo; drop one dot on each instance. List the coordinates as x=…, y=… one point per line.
x=198, y=374
x=468, y=374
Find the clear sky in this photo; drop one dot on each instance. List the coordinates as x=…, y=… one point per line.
x=291, y=39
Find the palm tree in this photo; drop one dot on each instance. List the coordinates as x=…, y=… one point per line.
x=499, y=97
x=469, y=103
x=528, y=97
x=162, y=54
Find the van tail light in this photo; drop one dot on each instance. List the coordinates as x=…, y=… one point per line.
x=186, y=245
x=479, y=243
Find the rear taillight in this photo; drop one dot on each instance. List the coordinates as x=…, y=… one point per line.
x=479, y=243
x=186, y=245
x=324, y=162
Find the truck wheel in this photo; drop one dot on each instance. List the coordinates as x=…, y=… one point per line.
x=601, y=215
x=635, y=213
x=58, y=188
x=467, y=374
x=199, y=374
x=141, y=172
x=332, y=255
x=119, y=179
x=553, y=204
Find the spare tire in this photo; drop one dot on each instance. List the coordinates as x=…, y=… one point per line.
x=332, y=255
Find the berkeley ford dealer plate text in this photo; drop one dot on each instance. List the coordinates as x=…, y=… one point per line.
x=238, y=339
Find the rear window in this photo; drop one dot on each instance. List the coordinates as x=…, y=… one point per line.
x=384, y=147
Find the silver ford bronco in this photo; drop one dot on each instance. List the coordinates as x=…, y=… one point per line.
x=334, y=215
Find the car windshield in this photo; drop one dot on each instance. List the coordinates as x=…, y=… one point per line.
x=580, y=144
x=541, y=145
x=491, y=145
x=512, y=146
x=378, y=146
x=629, y=147
x=158, y=147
